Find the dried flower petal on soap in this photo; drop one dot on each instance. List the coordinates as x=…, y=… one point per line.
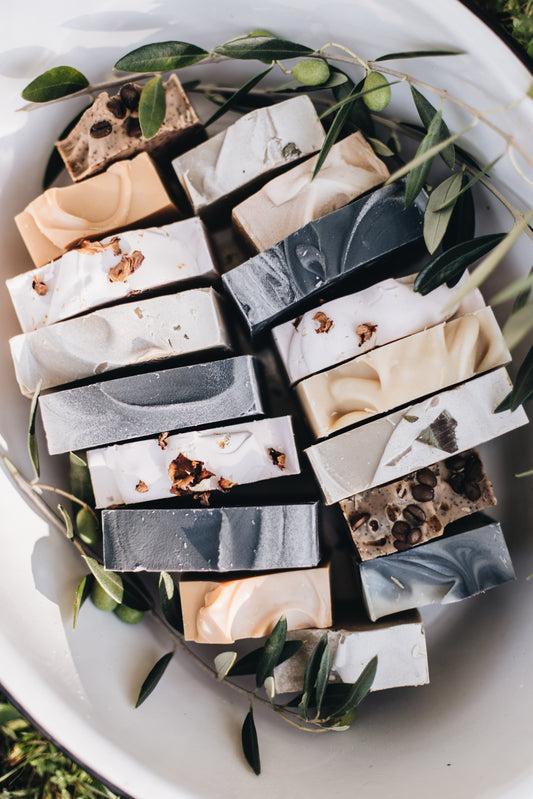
x=162, y=440
x=324, y=322
x=39, y=286
x=141, y=487
x=365, y=332
x=277, y=458
x=126, y=267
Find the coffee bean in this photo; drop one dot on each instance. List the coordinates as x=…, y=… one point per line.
x=130, y=96
x=455, y=463
x=414, y=536
x=473, y=469
x=457, y=482
x=472, y=491
x=400, y=530
x=100, y=129
x=117, y=108
x=133, y=127
x=401, y=546
x=426, y=477
x=414, y=514
x=422, y=493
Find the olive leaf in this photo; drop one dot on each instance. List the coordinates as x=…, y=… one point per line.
x=322, y=678
x=380, y=148
x=170, y=601
x=331, y=137
x=311, y=674
x=523, y=387
x=115, y=586
x=418, y=54
x=418, y=173
x=462, y=225
x=521, y=289
x=270, y=690
x=33, y=448
x=161, y=57
x=450, y=265
x=223, y=663
x=82, y=592
x=250, y=745
x=523, y=297
x=152, y=107
x=54, y=83
x=359, y=114
x=264, y=48
x=358, y=691
x=232, y=100
x=468, y=184
x=153, y=677
x=249, y=663
x=427, y=112
x=80, y=479
x=55, y=164
x=271, y=653
x=529, y=473
x=518, y=325
x=69, y=527
x=438, y=212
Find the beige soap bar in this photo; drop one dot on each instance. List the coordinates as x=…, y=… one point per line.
x=402, y=371
x=126, y=194
x=220, y=612
x=295, y=198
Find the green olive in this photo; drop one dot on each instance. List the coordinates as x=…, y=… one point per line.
x=101, y=598
x=129, y=615
x=378, y=99
x=311, y=71
x=87, y=527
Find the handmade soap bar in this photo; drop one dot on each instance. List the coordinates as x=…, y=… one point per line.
x=401, y=371
x=295, y=198
x=353, y=324
x=98, y=273
x=128, y=193
x=343, y=244
x=443, y=571
x=258, y=143
x=223, y=612
x=146, y=404
x=110, y=129
x=191, y=463
x=211, y=539
x=417, y=436
x=150, y=330
x=400, y=646
x=411, y=511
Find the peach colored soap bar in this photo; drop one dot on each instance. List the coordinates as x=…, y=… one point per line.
x=397, y=373
x=126, y=194
x=295, y=198
x=217, y=612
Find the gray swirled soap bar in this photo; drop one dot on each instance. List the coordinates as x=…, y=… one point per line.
x=211, y=539
x=148, y=404
x=443, y=571
x=342, y=244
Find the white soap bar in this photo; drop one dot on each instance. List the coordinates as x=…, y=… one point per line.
x=295, y=198
x=98, y=273
x=256, y=144
x=104, y=340
x=353, y=324
x=400, y=646
x=194, y=462
x=417, y=436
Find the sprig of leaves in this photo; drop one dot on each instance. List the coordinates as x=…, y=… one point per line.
x=33, y=449
x=449, y=266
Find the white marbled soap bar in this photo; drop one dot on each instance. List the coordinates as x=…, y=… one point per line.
x=99, y=273
x=293, y=199
x=256, y=144
x=399, y=644
x=194, y=462
x=104, y=340
x=417, y=436
x=351, y=325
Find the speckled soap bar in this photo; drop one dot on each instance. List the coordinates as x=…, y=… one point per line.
x=443, y=571
x=104, y=340
x=98, y=273
x=211, y=539
x=148, y=404
x=256, y=144
x=343, y=244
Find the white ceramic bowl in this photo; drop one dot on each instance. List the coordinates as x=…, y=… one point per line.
x=468, y=734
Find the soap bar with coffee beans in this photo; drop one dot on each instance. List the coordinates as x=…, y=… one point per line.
x=128, y=193
x=355, y=323
x=443, y=571
x=211, y=539
x=192, y=463
x=123, y=335
x=274, y=284
x=415, y=437
x=400, y=646
x=295, y=198
x=97, y=273
x=397, y=516
x=217, y=612
x=401, y=371
x=146, y=404
x=256, y=144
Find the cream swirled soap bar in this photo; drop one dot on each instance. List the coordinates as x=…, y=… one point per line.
x=123, y=335
x=403, y=370
x=295, y=198
x=101, y=272
x=216, y=612
x=191, y=463
x=126, y=194
x=256, y=144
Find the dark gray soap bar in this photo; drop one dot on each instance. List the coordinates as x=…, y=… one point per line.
x=211, y=539
x=443, y=571
x=145, y=404
x=323, y=252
